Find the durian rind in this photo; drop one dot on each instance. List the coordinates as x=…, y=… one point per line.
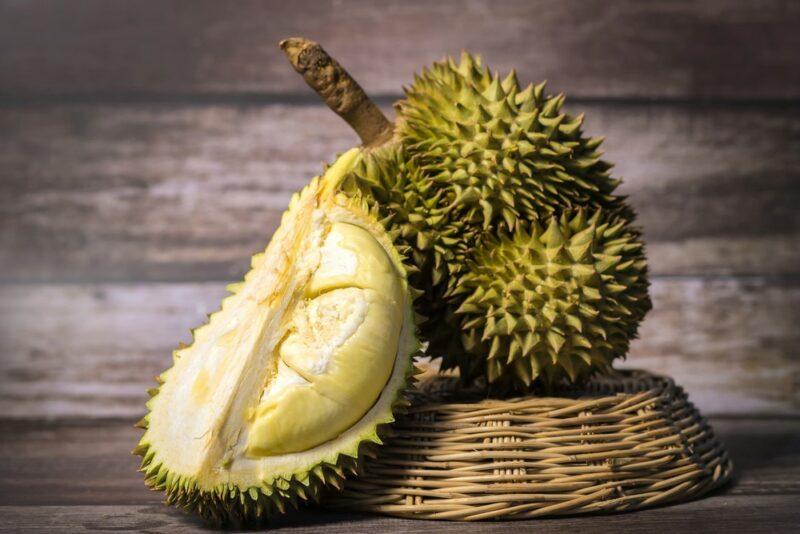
x=495, y=154
x=555, y=301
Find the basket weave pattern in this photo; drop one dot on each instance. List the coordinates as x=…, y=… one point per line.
x=629, y=441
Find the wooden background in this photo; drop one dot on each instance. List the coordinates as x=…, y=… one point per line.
x=147, y=149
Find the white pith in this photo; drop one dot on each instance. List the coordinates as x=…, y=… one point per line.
x=325, y=323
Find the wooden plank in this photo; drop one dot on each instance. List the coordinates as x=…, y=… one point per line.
x=148, y=192
x=733, y=344
x=762, y=514
x=53, y=463
x=711, y=49
x=92, y=350
x=50, y=472
x=157, y=192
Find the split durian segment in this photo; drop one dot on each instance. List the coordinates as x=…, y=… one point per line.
x=559, y=300
x=293, y=376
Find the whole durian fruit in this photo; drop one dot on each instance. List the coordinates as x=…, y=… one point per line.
x=473, y=165
x=295, y=375
x=556, y=301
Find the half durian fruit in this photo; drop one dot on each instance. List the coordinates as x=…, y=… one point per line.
x=293, y=377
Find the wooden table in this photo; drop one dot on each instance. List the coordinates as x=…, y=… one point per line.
x=79, y=476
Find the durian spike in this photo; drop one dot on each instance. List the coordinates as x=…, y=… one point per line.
x=338, y=89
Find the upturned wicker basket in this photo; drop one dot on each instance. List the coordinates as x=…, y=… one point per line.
x=624, y=442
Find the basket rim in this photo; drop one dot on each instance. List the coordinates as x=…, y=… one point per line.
x=441, y=391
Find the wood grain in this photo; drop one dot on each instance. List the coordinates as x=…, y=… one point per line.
x=50, y=472
x=143, y=143
x=763, y=514
x=710, y=49
x=731, y=343
x=92, y=350
x=170, y=192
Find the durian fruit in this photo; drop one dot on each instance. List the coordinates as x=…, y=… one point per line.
x=560, y=300
x=473, y=157
x=483, y=155
x=295, y=375
x=496, y=153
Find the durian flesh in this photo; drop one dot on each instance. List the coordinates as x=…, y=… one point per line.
x=294, y=373
x=339, y=351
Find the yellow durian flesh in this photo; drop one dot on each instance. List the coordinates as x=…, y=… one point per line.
x=339, y=352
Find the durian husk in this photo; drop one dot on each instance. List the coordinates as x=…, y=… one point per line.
x=556, y=302
x=474, y=157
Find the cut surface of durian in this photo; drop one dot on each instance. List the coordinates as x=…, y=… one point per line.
x=340, y=348
x=299, y=366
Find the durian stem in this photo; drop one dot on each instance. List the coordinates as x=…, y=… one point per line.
x=338, y=89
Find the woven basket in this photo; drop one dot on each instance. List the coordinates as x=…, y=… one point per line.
x=625, y=442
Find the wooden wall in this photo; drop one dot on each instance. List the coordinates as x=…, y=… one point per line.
x=147, y=149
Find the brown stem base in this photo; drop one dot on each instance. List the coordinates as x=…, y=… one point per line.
x=338, y=89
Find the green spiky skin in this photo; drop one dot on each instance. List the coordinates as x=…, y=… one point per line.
x=476, y=156
x=558, y=301
x=496, y=155
x=231, y=505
